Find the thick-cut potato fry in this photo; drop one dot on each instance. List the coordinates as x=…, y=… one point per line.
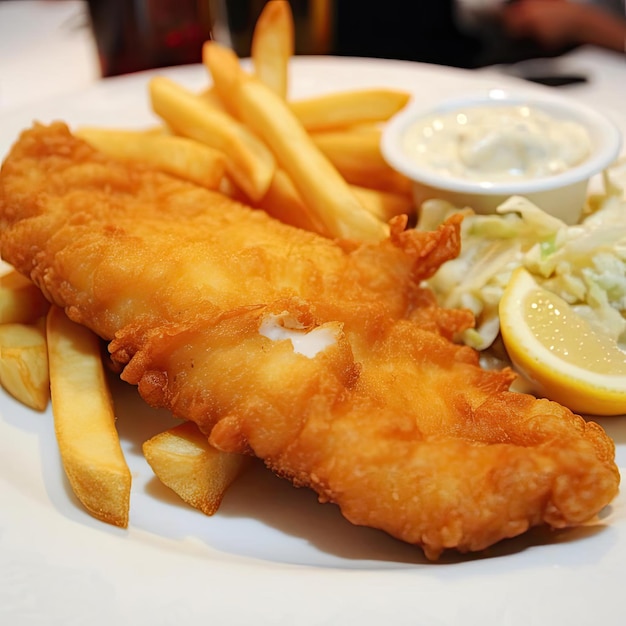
x=84, y=421
x=283, y=202
x=273, y=45
x=157, y=129
x=183, y=460
x=346, y=108
x=384, y=204
x=20, y=300
x=179, y=156
x=350, y=139
x=24, y=364
x=248, y=161
x=366, y=127
x=358, y=158
x=228, y=68
x=211, y=97
x=319, y=183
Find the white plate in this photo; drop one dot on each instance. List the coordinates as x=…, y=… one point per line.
x=272, y=554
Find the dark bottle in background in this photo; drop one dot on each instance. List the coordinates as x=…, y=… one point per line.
x=135, y=35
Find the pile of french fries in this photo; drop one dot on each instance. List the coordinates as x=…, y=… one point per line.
x=315, y=164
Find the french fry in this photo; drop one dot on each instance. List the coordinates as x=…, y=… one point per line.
x=358, y=158
x=179, y=156
x=84, y=421
x=24, y=364
x=283, y=202
x=248, y=161
x=183, y=460
x=347, y=108
x=315, y=178
x=228, y=70
x=211, y=97
x=384, y=204
x=157, y=129
x=20, y=300
x=273, y=45
x=373, y=127
x=350, y=139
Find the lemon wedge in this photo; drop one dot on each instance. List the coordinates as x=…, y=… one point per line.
x=558, y=351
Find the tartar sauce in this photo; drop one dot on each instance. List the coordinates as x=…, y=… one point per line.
x=497, y=143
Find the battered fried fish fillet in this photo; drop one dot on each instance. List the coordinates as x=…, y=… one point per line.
x=325, y=359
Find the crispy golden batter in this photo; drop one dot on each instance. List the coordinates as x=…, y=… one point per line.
x=391, y=421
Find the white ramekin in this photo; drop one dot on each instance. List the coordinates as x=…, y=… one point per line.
x=562, y=195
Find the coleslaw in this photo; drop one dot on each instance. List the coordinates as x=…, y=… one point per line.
x=585, y=264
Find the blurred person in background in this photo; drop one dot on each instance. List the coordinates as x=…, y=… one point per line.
x=514, y=30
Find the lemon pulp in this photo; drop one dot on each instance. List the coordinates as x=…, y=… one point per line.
x=559, y=351
x=555, y=325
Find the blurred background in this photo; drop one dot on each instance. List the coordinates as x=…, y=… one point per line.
x=418, y=30
x=52, y=46
x=461, y=33
x=139, y=34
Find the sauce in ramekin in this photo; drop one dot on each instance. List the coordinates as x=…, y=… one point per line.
x=497, y=143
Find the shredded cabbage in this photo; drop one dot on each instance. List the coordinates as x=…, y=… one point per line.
x=585, y=264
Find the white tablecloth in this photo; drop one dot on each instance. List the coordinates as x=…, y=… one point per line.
x=46, y=49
